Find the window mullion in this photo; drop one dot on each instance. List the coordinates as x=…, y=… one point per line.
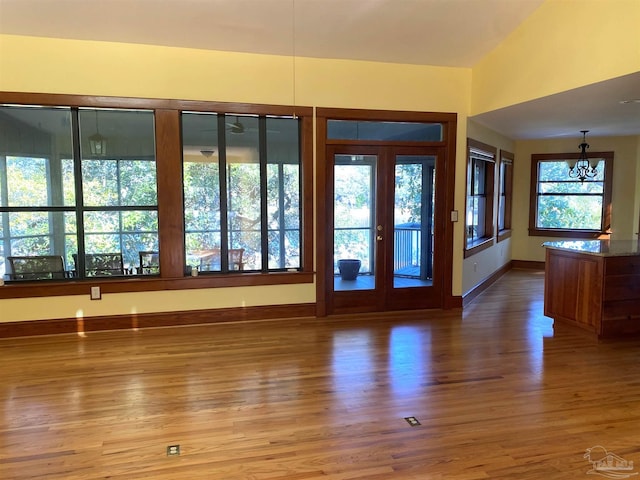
x=224, y=205
x=119, y=191
x=264, y=224
x=79, y=206
x=282, y=232
x=4, y=201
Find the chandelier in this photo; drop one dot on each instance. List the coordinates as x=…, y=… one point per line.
x=583, y=168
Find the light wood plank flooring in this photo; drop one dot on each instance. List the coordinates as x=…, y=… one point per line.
x=499, y=395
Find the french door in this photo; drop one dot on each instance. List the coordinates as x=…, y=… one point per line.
x=383, y=251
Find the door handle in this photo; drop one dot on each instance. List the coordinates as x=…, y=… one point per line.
x=379, y=237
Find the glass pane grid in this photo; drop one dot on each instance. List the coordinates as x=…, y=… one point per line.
x=122, y=174
x=567, y=203
x=245, y=159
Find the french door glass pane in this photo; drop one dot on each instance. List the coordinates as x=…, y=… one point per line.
x=354, y=218
x=413, y=221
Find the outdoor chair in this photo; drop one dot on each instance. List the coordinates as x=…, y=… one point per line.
x=40, y=267
x=235, y=259
x=210, y=259
x=149, y=263
x=103, y=264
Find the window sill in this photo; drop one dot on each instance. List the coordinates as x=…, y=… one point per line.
x=140, y=284
x=568, y=233
x=478, y=246
x=504, y=234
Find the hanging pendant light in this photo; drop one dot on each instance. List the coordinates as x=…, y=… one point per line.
x=583, y=168
x=97, y=142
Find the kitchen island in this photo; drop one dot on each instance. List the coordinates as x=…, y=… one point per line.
x=595, y=285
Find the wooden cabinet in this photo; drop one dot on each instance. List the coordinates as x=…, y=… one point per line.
x=597, y=292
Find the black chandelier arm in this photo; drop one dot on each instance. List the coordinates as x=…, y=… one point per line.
x=582, y=168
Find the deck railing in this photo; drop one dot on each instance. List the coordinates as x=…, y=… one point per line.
x=407, y=251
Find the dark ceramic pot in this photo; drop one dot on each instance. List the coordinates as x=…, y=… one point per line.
x=349, y=268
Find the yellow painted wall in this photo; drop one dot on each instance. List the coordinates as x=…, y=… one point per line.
x=563, y=45
x=22, y=309
x=45, y=65
x=29, y=64
x=624, y=208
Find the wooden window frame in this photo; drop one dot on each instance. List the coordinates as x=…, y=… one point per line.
x=605, y=229
x=488, y=154
x=170, y=203
x=505, y=194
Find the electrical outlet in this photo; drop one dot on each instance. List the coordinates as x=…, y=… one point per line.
x=95, y=293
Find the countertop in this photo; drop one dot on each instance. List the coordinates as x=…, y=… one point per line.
x=603, y=248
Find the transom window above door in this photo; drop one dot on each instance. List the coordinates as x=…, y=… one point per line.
x=384, y=131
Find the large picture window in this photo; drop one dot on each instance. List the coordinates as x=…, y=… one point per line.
x=480, y=189
x=77, y=192
x=143, y=194
x=242, y=190
x=565, y=206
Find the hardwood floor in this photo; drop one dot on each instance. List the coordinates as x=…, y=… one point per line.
x=499, y=394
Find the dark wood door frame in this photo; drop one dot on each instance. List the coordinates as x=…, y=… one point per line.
x=324, y=269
